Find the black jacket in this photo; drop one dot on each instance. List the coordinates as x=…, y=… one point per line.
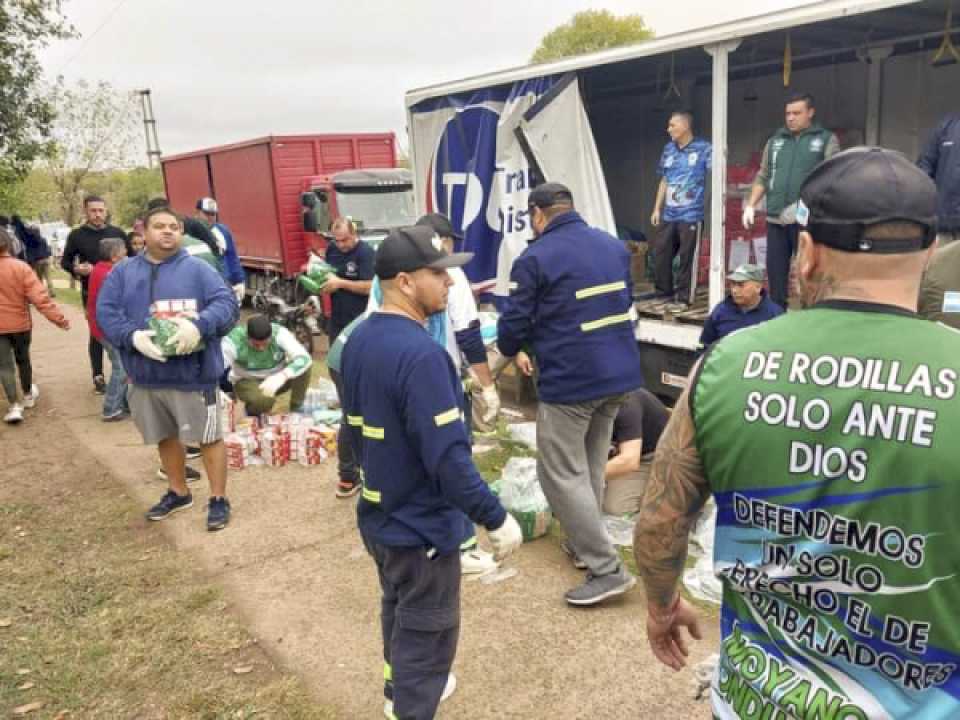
x=940, y=159
x=83, y=245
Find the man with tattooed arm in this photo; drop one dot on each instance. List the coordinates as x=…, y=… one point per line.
x=826, y=438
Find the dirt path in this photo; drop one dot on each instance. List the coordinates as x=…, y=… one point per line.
x=293, y=562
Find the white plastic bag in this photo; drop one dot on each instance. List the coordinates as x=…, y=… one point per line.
x=700, y=580
x=524, y=433
x=520, y=490
x=620, y=529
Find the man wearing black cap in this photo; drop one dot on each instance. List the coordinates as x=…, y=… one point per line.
x=232, y=269
x=404, y=407
x=827, y=439
x=266, y=360
x=572, y=306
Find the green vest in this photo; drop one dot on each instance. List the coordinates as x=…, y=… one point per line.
x=200, y=250
x=790, y=159
x=829, y=439
x=271, y=358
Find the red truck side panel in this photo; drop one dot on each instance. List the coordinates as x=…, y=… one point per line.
x=376, y=153
x=257, y=185
x=292, y=161
x=243, y=183
x=187, y=181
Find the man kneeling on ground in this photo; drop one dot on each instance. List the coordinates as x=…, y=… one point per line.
x=636, y=431
x=266, y=360
x=173, y=399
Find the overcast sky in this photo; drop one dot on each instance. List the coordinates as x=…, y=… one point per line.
x=223, y=71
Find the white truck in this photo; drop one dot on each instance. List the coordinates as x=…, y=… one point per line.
x=597, y=122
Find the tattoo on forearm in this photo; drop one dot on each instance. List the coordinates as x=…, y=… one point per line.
x=673, y=498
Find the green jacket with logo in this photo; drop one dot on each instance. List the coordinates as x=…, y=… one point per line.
x=828, y=438
x=788, y=160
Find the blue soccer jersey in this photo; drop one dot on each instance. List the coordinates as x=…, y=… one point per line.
x=685, y=170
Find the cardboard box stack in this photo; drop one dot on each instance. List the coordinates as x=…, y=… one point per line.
x=276, y=440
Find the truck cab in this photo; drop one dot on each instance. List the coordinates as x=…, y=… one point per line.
x=377, y=201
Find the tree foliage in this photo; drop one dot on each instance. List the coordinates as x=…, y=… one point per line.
x=97, y=129
x=26, y=113
x=589, y=31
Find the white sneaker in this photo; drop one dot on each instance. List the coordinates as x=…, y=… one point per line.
x=14, y=414
x=476, y=561
x=448, y=690
x=30, y=398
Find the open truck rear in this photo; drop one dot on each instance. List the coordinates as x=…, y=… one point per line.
x=598, y=123
x=258, y=185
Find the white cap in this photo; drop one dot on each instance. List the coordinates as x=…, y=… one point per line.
x=207, y=205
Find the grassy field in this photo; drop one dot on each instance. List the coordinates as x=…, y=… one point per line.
x=64, y=293
x=99, y=619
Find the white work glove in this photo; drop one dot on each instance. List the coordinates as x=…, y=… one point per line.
x=749, y=216
x=143, y=342
x=272, y=384
x=491, y=401
x=240, y=290
x=187, y=336
x=506, y=538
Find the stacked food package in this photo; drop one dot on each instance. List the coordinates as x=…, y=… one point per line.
x=275, y=440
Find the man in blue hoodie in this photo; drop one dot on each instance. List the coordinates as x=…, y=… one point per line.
x=173, y=399
x=572, y=306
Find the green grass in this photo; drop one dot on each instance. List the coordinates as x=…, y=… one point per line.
x=491, y=463
x=109, y=621
x=64, y=294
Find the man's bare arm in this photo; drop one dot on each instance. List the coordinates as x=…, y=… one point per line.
x=672, y=500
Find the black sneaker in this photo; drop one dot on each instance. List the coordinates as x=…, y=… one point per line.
x=169, y=504
x=99, y=385
x=192, y=475
x=347, y=488
x=193, y=452
x=218, y=513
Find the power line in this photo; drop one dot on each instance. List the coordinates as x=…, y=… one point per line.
x=110, y=15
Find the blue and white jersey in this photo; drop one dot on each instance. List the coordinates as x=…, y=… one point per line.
x=685, y=170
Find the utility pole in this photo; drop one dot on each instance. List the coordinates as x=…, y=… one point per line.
x=150, y=127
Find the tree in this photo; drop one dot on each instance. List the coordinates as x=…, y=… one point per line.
x=138, y=186
x=96, y=130
x=26, y=114
x=589, y=31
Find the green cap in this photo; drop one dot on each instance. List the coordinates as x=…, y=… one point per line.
x=747, y=272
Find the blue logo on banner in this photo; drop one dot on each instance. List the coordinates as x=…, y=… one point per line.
x=463, y=171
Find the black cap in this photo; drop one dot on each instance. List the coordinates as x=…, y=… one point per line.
x=259, y=328
x=410, y=249
x=549, y=194
x=867, y=186
x=440, y=224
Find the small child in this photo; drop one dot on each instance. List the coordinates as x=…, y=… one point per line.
x=115, y=408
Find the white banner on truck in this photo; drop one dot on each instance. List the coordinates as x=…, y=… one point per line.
x=471, y=164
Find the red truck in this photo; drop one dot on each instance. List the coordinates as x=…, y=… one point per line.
x=273, y=192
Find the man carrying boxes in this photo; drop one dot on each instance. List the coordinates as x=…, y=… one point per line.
x=265, y=360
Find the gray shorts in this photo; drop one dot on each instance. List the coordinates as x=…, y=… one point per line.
x=193, y=417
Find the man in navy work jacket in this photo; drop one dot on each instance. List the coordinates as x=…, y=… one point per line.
x=173, y=399
x=404, y=405
x=572, y=307
x=940, y=159
x=747, y=304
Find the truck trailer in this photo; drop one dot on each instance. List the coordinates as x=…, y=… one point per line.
x=597, y=122
x=273, y=192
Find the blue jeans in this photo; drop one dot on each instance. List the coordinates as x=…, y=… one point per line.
x=115, y=399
